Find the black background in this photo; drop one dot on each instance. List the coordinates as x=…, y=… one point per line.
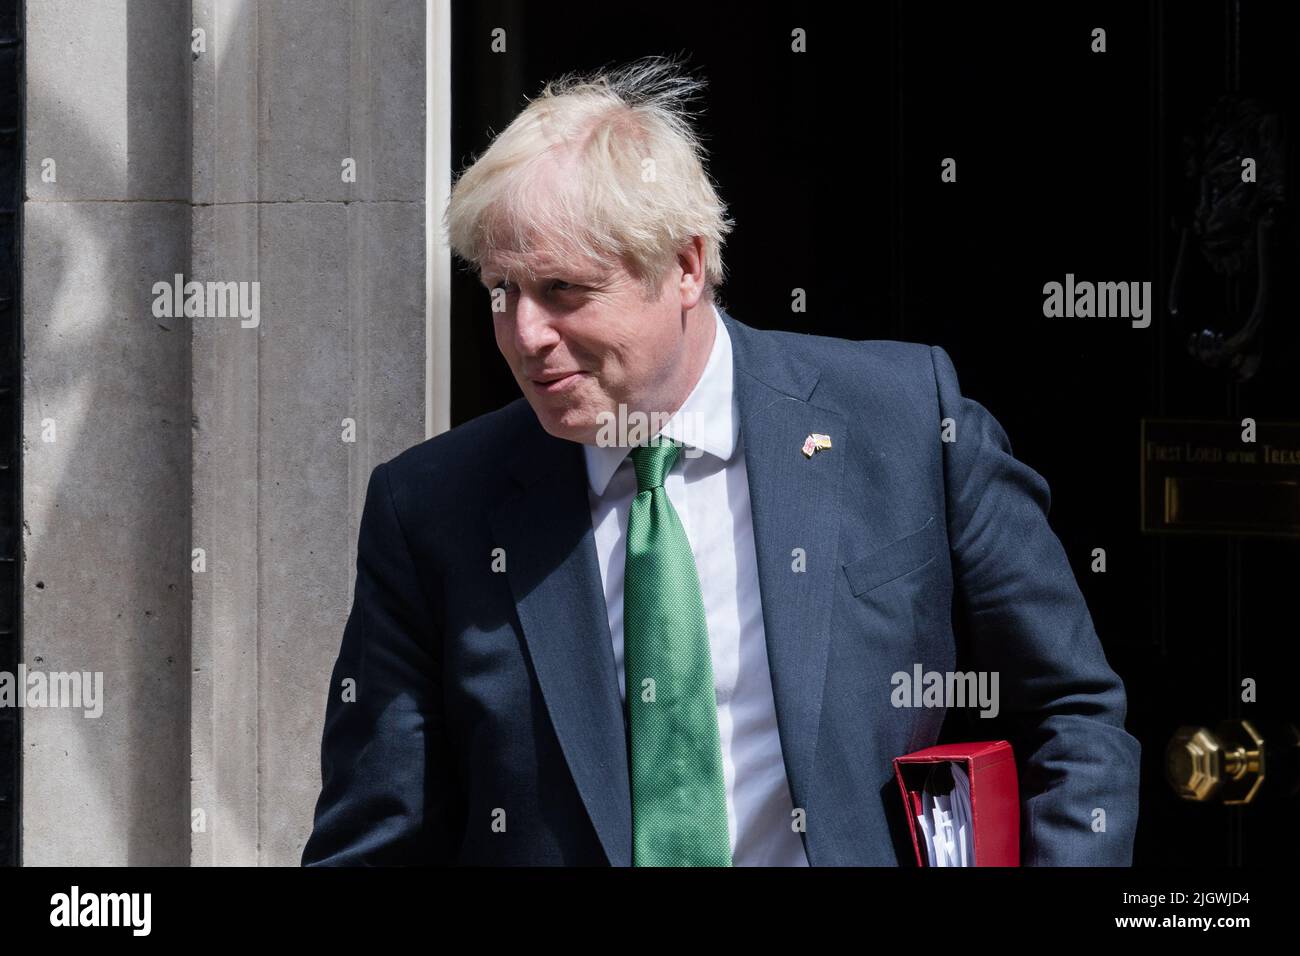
x=11, y=191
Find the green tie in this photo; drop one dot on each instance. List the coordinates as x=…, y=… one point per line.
x=679, y=806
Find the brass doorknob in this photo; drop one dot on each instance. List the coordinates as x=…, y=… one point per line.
x=1225, y=764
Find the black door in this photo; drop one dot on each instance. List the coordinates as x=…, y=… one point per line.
x=1111, y=157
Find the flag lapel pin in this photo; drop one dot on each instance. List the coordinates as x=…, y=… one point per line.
x=815, y=443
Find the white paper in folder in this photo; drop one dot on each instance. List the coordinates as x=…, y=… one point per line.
x=946, y=819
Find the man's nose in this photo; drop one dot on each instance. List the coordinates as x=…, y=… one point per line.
x=533, y=330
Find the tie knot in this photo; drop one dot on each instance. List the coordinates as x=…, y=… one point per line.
x=652, y=462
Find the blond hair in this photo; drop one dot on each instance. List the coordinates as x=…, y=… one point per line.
x=603, y=168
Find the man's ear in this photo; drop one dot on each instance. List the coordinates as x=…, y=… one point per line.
x=691, y=261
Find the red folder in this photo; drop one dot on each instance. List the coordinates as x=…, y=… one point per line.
x=994, y=796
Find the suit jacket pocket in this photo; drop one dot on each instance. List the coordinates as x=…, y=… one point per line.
x=894, y=560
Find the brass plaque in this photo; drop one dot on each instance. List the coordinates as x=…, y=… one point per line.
x=1200, y=477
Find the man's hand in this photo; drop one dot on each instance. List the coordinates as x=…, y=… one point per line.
x=1029, y=622
x=385, y=795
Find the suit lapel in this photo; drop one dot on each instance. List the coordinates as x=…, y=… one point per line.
x=555, y=578
x=795, y=502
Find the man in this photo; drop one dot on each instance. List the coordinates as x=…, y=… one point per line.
x=653, y=612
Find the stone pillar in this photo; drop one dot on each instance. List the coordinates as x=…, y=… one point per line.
x=292, y=414
x=106, y=431
x=193, y=528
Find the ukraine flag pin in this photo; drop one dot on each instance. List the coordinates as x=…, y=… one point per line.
x=815, y=443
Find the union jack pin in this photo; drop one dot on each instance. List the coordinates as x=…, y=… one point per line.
x=815, y=443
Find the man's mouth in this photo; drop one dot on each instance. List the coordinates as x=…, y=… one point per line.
x=556, y=381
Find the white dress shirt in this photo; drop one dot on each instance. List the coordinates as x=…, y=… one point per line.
x=709, y=488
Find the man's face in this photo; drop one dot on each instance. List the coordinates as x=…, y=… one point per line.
x=580, y=340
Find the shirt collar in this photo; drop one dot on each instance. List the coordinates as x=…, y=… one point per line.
x=708, y=419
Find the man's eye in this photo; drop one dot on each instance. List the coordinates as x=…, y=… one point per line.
x=557, y=285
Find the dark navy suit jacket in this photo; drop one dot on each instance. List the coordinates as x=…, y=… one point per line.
x=488, y=727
